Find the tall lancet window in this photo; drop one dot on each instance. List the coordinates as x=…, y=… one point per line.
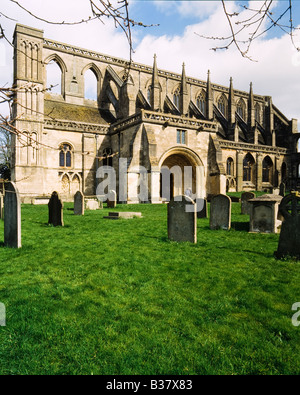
x=176, y=97
x=65, y=155
x=200, y=101
x=222, y=105
x=241, y=109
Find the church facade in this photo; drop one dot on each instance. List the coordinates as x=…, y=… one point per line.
x=145, y=117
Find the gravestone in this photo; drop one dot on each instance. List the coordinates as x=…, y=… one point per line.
x=201, y=207
x=78, y=203
x=182, y=219
x=282, y=189
x=92, y=203
x=245, y=206
x=111, y=199
x=1, y=205
x=12, y=216
x=55, y=209
x=220, y=212
x=289, y=239
x=264, y=214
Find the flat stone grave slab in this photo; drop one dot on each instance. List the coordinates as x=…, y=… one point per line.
x=124, y=215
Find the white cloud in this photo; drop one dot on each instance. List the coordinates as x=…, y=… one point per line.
x=276, y=73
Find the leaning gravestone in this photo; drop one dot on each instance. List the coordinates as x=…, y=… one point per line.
x=182, y=219
x=201, y=207
x=289, y=239
x=12, y=216
x=220, y=212
x=55, y=208
x=111, y=199
x=282, y=189
x=78, y=203
x=245, y=206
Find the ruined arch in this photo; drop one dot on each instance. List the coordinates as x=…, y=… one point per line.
x=63, y=68
x=91, y=67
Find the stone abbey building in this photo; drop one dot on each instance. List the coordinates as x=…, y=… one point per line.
x=151, y=117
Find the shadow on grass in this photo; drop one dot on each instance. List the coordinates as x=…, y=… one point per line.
x=240, y=226
x=46, y=225
x=264, y=254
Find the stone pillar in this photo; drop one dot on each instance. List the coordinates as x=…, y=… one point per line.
x=88, y=164
x=127, y=98
x=251, y=109
x=231, y=105
x=155, y=186
x=184, y=99
x=209, y=99
x=239, y=171
x=259, y=171
x=155, y=89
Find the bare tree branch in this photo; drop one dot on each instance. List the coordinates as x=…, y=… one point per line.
x=260, y=20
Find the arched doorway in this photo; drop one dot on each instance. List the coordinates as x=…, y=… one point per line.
x=181, y=172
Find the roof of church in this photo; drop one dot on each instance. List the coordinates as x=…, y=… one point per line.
x=57, y=110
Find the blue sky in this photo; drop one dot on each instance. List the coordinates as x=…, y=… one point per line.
x=174, y=22
x=275, y=72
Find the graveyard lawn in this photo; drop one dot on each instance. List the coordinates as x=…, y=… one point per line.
x=117, y=297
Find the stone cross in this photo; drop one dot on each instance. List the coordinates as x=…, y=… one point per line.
x=55, y=208
x=182, y=219
x=220, y=212
x=78, y=203
x=111, y=199
x=12, y=216
x=289, y=239
x=245, y=206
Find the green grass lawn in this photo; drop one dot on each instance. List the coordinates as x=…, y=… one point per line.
x=117, y=297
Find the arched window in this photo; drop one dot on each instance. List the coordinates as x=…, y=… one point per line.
x=201, y=104
x=248, y=168
x=241, y=109
x=54, y=78
x=222, y=105
x=65, y=155
x=90, y=85
x=108, y=160
x=229, y=167
x=176, y=98
x=267, y=169
x=257, y=113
